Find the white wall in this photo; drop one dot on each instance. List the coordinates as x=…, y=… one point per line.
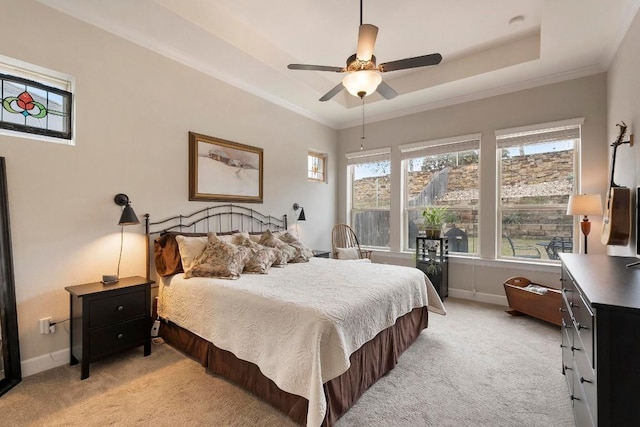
x=134, y=109
x=623, y=92
x=482, y=279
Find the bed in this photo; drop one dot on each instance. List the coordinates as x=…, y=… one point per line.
x=309, y=338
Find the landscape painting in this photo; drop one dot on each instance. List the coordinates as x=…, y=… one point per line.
x=224, y=171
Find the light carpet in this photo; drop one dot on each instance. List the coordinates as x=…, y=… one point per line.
x=476, y=366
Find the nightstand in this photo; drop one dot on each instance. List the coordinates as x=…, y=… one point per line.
x=321, y=254
x=109, y=319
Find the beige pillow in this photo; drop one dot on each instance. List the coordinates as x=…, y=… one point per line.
x=190, y=248
x=261, y=257
x=219, y=259
x=348, y=253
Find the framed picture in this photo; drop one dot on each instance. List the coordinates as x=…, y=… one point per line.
x=224, y=171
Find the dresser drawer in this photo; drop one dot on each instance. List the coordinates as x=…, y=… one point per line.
x=118, y=308
x=113, y=339
x=585, y=379
x=583, y=328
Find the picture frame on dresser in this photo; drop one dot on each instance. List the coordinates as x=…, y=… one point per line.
x=224, y=171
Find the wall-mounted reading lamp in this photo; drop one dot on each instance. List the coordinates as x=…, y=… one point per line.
x=128, y=217
x=301, y=217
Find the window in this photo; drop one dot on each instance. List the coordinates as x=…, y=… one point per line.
x=443, y=173
x=317, y=167
x=369, y=192
x=536, y=175
x=35, y=103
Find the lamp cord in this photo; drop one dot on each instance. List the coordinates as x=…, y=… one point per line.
x=120, y=256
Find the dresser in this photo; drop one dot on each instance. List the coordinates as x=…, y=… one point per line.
x=109, y=318
x=601, y=338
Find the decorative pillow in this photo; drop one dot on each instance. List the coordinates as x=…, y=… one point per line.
x=303, y=254
x=284, y=251
x=261, y=257
x=219, y=259
x=190, y=248
x=167, y=253
x=347, y=253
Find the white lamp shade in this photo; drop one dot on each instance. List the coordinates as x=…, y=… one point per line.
x=584, y=204
x=366, y=81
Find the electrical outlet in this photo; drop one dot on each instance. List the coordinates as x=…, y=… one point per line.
x=45, y=326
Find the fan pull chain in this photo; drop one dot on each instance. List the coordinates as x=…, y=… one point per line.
x=362, y=137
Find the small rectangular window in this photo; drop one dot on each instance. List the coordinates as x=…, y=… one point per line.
x=317, y=167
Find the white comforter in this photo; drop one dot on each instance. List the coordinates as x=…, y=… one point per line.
x=300, y=323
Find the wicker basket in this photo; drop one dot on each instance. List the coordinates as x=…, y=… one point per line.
x=541, y=306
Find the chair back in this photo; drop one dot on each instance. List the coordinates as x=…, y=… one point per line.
x=343, y=236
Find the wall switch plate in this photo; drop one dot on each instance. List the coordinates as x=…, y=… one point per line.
x=155, y=329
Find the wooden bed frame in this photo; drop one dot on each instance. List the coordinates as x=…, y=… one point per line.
x=368, y=364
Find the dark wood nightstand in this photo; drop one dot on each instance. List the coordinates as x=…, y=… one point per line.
x=109, y=319
x=321, y=254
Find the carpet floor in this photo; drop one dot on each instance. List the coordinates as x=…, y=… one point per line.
x=476, y=366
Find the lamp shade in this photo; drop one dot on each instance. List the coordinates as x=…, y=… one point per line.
x=128, y=216
x=584, y=204
x=363, y=81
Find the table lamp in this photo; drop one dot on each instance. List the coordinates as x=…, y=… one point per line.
x=585, y=204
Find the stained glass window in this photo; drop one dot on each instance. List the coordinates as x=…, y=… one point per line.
x=32, y=107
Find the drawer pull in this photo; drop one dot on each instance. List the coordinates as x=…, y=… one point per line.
x=575, y=348
x=572, y=397
x=563, y=346
x=573, y=304
x=562, y=310
x=579, y=326
x=564, y=325
x=120, y=336
x=567, y=368
x=120, y=307
x=582, y=381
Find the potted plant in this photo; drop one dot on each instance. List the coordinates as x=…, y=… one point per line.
x=434, y=218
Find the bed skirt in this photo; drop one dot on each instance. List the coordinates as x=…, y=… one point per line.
x=369, y=363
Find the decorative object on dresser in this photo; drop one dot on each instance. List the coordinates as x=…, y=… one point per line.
x=585, y=204
x=616, y=223
x=106, y=320
x=128, y=217
x=539, y=301
x=224, y=171
x=432, y=257
x=601, y=338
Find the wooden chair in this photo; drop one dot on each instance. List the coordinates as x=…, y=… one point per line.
x=526, y=251
x=343, y=236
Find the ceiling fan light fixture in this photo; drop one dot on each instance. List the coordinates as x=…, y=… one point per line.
x=357, y=82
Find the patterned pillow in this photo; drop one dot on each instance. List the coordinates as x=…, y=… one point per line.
x=261, y=257
x=219, y=259
x=284, y=251
x=303, y=254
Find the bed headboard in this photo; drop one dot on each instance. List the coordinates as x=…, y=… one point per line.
x=221, y=218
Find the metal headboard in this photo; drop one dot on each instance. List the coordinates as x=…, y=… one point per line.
x=219, y=219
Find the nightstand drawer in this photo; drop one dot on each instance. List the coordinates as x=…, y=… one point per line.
x=113, y=339
x=119, y=308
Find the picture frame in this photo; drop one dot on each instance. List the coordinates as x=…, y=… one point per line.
x=224, y=171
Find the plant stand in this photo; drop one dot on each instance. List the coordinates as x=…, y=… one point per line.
x=436, y=268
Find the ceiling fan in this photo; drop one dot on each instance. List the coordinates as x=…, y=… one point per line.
x=363, y=78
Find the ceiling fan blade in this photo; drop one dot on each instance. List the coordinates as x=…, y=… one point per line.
x=366, y=41
x=418, y=61
x=315, y=67
x=333, y=92
x=386, y=91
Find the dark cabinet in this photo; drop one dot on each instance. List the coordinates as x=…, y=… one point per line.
x=601, y=338
x=432, y=257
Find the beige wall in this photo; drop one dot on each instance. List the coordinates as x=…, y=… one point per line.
x=134, y=109
x=623, y=91
x=483, y=278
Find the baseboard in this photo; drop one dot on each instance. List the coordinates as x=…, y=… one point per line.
x=478, y=296
x=45, y=362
